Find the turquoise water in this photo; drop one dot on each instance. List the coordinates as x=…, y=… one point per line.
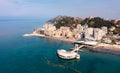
x=38, y=55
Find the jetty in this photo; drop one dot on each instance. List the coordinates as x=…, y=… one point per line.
x=33, y=34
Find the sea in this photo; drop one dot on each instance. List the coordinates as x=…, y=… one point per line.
x=20, y=54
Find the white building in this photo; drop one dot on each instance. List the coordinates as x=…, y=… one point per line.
x=85, y=26
x=88, y=33
x=105, y=30
x=79, y=27
x=94, y=33
x=98, y=34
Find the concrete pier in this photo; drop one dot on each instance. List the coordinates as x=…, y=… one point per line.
x=77, y=48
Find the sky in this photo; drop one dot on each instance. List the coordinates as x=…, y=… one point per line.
x=109, y=9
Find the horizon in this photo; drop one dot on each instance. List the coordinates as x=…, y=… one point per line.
x=52, y=8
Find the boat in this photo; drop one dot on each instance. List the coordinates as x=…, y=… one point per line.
x=68, y=54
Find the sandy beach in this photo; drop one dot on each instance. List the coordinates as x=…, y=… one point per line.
x=108, y=47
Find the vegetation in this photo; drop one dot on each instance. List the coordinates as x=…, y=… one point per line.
x=65, y=21
x=95, y=22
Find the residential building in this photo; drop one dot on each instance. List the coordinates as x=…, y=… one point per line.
x=64, y=31
x=57, y=33
x=88, y=33
x=69, y=34
x=107, y=40
x=105, y=30
x=49, y=27
x=65, y=28
x=79, y=27
x=78, y=36
x=75, y=31
x=85, y=26
x=98, y=34
x=93, y=33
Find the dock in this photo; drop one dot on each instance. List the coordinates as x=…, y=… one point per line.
x=69, y=54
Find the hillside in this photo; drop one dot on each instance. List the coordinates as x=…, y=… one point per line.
x=95, y=22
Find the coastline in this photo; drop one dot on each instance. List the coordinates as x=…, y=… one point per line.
x=48, y=37
x=101, y=47
x=108, y=48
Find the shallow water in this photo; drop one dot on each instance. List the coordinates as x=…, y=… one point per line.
x=38, y=55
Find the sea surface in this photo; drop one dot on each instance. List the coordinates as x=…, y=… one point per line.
x=38, y=55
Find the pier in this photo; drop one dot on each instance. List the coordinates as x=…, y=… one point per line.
x=77, y=48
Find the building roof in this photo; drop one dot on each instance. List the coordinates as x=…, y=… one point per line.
x=66, y=53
